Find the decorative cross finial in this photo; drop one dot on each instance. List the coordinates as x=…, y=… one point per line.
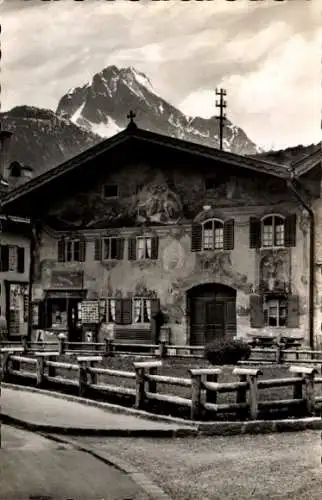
x=131, y=117
x=222, y=104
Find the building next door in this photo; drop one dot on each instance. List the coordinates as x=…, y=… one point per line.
x=212, y=313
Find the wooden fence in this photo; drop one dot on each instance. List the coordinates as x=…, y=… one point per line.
x=203, y=384
x=278, y=353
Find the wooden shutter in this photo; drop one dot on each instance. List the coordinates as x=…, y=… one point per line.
x=293, y=311
x=118, y=311
x=82, y=250
x=254, y=232
x=229, y=237
x=256, y=311
x=155, y=248
x=132, y=249
x=196, y=237
x=155, y=307
x=61, y=250
x=20, y=260
x=290, y=230
x=120, y=248
x=98, y=249
x=4, y=258
x=126, y=311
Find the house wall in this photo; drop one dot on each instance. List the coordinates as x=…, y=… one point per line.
x=14, y=276
x=170, y=201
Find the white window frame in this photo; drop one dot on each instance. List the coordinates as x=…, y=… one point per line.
x=276, y=303
x=217, y=243
x=273, y=231
x=110, y=247
x=146, y=250
x=71, y=241
x=138, y=316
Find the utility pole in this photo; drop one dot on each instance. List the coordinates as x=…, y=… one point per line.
x=221, y=104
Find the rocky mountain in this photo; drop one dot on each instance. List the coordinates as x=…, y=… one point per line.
x=101, y=107
x=41, y=139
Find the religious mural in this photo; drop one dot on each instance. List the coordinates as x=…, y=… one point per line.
x=274, y=271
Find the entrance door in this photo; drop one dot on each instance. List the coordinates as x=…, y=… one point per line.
x=74, y=331
x=212, y=311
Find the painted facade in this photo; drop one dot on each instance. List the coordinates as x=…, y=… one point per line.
x=171, y=233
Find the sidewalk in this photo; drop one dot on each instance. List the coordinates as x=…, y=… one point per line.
x=50, y=414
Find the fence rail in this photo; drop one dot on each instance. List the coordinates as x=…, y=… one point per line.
x=204, y=384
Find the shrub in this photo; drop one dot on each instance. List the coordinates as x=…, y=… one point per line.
x=227, y=351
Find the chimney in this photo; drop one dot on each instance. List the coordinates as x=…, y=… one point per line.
x=5, y=137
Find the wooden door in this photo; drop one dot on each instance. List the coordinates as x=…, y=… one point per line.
x=214, y=320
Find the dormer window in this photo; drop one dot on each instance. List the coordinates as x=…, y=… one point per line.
x=110, y=191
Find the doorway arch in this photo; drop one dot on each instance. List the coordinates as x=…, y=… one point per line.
x=211, y=308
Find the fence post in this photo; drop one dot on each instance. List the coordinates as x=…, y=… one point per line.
x=6, y=366
x=51, y=369
x=40, y=371
x=62, y=344
x=241, y=397
x=195, y=394
x=211, y=396
x=162, y=349
x=279, y=353
x=308, y=374
x=152, y=385
x=140, y=393
x=24, y=344
x=82, y=381
x=252, y=375
x=93, y=375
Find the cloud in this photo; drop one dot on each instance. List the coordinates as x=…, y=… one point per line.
x=267, y=54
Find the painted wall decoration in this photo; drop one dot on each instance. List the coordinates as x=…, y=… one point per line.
x=66, y=279
x=274, y=271
x=158, y=203
x=173, y=256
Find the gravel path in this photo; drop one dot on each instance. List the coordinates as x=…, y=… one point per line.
x=277, y=466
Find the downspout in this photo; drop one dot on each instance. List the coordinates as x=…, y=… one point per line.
x=31, y=277
x=299, y=197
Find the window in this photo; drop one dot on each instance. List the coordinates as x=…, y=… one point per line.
x=143, y=247
x=273, y=230
x=71, y=250
x=275, y=312
x=12, y=258
x=141, y=310
x=213, y=235
x=110, y=191
x=110, y=248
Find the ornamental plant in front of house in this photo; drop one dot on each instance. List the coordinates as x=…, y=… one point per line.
x=227, y=351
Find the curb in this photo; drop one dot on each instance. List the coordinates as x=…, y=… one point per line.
x=188, y=428
x=154, y=491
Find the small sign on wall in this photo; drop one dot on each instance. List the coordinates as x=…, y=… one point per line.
x=66, y=279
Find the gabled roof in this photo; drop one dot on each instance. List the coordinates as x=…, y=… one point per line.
x=134, y=135
x=304, y=165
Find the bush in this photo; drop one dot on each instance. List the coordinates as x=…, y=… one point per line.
x=227, y=351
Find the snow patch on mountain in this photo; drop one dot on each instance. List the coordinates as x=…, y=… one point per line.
x=106, y=130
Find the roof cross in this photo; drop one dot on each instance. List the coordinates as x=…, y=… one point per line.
x=131, y=116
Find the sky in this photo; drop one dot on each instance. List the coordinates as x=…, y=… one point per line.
x=265, y=53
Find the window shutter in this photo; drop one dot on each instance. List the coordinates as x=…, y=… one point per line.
x=98, y=249
x=120, y=248
x=21, y=260
x=254, y=232
x=155, y=307
x=256, y=311
x=132, y=249
x=118, y=311
x=229, y=237
x=126, y=311
x=290, y=230
x=196, y=237
x=13, y=258
x=82, y=250
x=155, y=248
x=4, y=258
x=61, y=250
x=293, y=311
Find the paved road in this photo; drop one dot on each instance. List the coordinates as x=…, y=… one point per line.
x=33, y=467
x=263, y=467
